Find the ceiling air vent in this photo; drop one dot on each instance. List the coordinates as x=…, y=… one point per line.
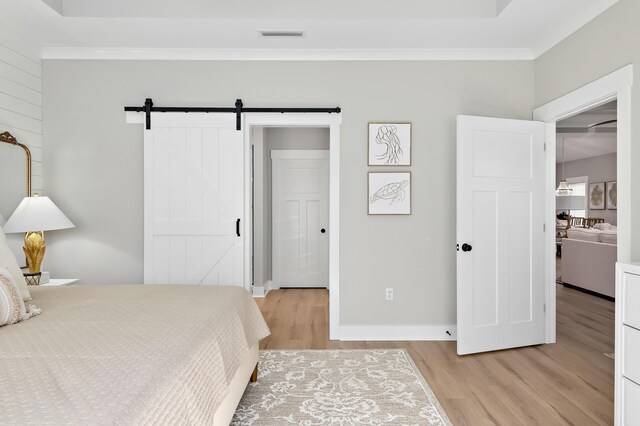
x=281, y=33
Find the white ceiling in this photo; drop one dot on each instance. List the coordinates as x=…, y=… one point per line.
x=334, y=29
x=587, y=142
x=578, y=147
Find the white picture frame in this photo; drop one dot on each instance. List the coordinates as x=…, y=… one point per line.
x=597, y=196
x=389, y=144
x=389, y=193
x=612, y=195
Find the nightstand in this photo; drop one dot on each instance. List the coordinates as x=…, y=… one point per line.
x=60, y=281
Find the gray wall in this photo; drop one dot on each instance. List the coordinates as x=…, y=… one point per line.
x=609, y=42
x=599, y=169
x=94, y=163
x=279, y=138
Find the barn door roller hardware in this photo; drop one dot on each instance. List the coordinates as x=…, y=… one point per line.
x=238, y=109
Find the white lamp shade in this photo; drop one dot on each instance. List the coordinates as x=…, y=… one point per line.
x=570, y=202
x=36, y=214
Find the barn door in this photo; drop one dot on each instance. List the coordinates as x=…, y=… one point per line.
x=193, y=201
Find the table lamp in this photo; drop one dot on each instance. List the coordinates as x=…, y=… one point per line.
x=33, y=216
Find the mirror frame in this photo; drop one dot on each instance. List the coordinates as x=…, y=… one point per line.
x=8, y=138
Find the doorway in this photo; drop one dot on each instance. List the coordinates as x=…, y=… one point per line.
x=493, y=135
x=290, y=207
x=586, y=200
x=615, y=86
x=333, y=123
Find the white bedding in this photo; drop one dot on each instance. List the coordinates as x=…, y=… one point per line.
x=584, y=234
x=609, y=237
x=126, y=354
x=605, y=233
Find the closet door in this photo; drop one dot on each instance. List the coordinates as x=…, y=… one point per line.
x=193, y=200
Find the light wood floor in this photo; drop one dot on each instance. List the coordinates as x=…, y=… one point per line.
x=570, y=382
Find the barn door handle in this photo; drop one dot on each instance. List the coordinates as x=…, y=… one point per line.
x=238, y=227
x=466, y=247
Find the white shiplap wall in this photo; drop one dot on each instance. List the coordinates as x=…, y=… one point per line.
x=21, y=112
x=21, y=103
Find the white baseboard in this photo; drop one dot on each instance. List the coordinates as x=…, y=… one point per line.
x=262, y=291
x=396, y=332
x=259, y=291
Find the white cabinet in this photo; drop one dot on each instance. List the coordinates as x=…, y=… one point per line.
x=627, y=379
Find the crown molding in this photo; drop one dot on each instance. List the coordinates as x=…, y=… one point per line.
x=189, y=54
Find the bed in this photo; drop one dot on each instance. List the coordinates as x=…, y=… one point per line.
x=130, y=355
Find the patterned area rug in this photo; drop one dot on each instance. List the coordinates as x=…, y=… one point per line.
x=339, y=387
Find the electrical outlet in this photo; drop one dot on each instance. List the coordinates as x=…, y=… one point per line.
x=389, y=294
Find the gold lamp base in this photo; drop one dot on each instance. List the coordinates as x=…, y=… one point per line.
x=34, y=248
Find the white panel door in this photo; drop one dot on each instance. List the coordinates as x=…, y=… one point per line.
x=193, y=200
x=500, y=233
x=300, y=213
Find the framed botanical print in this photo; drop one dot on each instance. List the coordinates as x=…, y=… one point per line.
x=612, y=195
x=389, y=193
x=389, y=144
x=597, y=196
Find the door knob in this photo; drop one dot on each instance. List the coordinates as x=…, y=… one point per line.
x=323, y=230
x=466, y=247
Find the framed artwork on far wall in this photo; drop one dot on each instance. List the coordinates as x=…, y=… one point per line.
x=389, y=144
x=389, y=193
x=596, y=196
x=612, y=195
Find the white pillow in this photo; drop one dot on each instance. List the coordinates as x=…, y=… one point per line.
x=8, y=260
x=12, y=308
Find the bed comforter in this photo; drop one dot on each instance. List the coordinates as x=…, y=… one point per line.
x=126, y=354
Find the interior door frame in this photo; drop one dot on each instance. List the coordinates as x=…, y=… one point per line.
x=333, y=122
x=288, y=154
x=616, y=85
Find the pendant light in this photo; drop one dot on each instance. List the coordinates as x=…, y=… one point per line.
x=563, y=189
